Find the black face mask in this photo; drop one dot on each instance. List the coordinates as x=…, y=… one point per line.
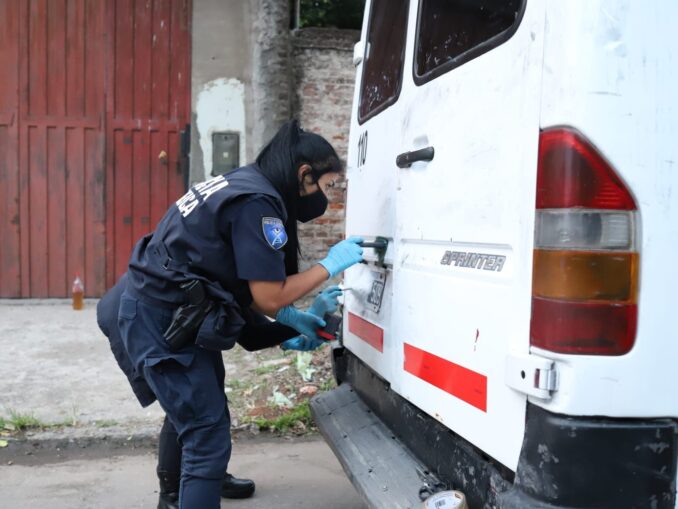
x=311, y=206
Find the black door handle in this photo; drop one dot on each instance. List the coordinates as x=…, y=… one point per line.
x=184, y=154
x=406, y=159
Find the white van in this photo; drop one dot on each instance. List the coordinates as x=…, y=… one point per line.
x=518, y=338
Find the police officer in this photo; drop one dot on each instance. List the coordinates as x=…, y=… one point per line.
x=258, y=333
x=221, y=257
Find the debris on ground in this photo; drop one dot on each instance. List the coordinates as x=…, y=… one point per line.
x=268, y=395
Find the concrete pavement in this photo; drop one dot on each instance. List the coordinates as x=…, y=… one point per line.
x=56, y=365
x=290, y=474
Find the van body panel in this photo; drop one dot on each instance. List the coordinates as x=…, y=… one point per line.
x=462, y=226
x=610, y=71
x=474, y=199
x=456, y=279
x=618, y=463
x=371, y=189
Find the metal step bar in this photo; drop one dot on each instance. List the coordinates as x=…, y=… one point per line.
x=382, y=469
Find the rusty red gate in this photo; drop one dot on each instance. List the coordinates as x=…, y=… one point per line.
x=94, y=96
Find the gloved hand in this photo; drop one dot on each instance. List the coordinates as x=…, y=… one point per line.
x=343, y=255
x=301, y=343
x=303, y=322
x=326, y=301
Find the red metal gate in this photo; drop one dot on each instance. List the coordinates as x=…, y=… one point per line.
x=91, y=109
x=149, y=106
x=10, y=276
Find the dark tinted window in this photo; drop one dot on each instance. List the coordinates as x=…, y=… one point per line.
x=451, y=32
x=384, y=55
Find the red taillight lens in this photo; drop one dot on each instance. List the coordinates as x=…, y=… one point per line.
x=585, y=281
x=584, y=328
x=572, y=173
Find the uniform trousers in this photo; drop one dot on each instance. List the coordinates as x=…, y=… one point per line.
x=189, y=385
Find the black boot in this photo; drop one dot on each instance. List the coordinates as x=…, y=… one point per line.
x=168, y=501
x=233, y=487
x=169, y=491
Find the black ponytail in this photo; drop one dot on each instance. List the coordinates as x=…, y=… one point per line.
x=279, y=162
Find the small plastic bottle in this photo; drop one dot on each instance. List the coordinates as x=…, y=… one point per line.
x=78, y=293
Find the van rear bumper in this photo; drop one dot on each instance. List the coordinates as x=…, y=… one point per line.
x=565, y=463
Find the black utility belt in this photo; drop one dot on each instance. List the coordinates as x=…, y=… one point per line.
x=188, y=318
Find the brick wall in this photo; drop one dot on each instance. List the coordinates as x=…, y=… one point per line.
x=324, y=79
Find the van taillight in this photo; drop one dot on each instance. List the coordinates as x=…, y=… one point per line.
x=585, y=281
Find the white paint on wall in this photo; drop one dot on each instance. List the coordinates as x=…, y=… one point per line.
x=220, y=107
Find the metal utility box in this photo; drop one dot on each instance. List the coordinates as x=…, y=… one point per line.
x=225, y=153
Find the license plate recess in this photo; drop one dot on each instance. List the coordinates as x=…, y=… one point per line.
x=376, y=294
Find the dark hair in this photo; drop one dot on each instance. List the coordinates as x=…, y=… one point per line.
x=279, y=162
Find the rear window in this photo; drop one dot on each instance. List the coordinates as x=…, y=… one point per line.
x=384, y=56
x=452, y=32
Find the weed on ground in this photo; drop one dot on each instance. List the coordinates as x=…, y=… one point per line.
x=272, y=389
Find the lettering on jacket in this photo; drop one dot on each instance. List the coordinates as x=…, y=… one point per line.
x=199, y=194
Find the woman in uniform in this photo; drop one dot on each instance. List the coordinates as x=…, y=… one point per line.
x=220, y=259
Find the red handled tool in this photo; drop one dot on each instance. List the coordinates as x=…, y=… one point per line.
x=332, y=324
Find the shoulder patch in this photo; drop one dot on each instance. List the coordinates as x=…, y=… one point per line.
x=274, y=232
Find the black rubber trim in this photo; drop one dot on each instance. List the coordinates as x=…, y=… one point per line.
x=565, y=463
x=597, y=462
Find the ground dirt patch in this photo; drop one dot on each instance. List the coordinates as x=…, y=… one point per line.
x=270, y=389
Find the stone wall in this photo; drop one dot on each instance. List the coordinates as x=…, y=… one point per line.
x=271, y=77
x=324, y=79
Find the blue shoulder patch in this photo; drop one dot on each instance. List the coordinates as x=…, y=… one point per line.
x=274, y=232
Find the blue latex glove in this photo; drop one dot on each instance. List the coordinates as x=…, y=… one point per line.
x=326, y=301
x=301, y=343
x=303, y=322
x=343, y=255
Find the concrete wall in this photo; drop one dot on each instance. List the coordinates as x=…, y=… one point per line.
x=324, y=79
x=250, y=74
x=272, y=76
x=222, y=95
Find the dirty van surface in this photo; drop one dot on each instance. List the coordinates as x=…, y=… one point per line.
x=513, y=338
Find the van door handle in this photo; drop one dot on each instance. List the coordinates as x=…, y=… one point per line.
x=406, y=159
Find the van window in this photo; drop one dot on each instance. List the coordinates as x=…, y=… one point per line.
x=384, y=56
x=452, y=32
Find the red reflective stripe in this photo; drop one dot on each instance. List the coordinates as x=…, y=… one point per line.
x=454, y=379
x=368, y=332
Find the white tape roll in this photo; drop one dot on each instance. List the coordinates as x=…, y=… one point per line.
x=446, y=500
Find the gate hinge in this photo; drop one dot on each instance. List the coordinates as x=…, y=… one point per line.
x=532, y=375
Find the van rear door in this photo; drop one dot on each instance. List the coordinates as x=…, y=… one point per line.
x=372, y=179
x=469, y=131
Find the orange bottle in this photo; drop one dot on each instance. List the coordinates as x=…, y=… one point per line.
x=78, y=293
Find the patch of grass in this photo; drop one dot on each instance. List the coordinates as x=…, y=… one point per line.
x=300, y=413
x=328, y=384
x=18, y=421
x=105, y=423
x=236, y=384
x=264, y=370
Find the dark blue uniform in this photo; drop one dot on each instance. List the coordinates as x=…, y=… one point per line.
x=224, y=232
